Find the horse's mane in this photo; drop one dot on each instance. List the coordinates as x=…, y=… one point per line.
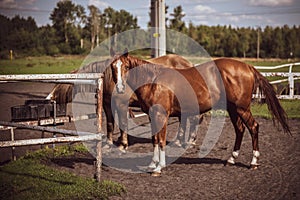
x=149, y=67
x=98, y=67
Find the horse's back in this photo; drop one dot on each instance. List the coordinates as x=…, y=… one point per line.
x=172, y=61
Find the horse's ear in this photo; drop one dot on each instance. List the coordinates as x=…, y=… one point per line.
x=125, y=52
x=112, y=52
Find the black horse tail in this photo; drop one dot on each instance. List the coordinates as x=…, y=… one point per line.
x=273, y=103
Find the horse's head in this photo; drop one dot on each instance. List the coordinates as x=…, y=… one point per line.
x=120, y=65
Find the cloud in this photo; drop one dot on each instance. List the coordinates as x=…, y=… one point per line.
x=15, y=4
x=271, y=2
x=204, y=9
x=99, y=4
x=8, y=4
x=30, y=2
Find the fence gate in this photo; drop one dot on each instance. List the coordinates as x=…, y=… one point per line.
x=72, y=136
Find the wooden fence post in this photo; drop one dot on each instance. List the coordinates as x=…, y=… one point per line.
x=99, y=128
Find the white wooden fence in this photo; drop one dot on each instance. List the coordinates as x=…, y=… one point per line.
x=289, y=77
x=73, y=136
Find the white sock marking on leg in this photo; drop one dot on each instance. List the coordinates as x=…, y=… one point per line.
x=155, y=158
x=256, y=154
x=233, y=156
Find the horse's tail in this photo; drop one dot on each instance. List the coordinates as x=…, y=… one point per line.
x=273, y=103
x=61, y=93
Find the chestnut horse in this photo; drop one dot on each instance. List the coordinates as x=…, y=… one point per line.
x=62, y=93
x=223, y=81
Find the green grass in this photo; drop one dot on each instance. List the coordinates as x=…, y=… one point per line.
x=41, y=65
x=292, y=108
x=28, y=178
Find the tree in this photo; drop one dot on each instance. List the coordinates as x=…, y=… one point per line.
x=94, y=22
x=290, y=38
x=67, y=19
x=278, y=43
x=6, y=27
x=48, y=40
x=192, y=31
x=267, y=42
x=20, y=35
x=233, y=42
x=176, y=22
x=244, y=37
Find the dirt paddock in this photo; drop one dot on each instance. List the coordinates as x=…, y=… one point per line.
x=189, y=176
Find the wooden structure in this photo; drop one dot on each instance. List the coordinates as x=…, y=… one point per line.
x=73, y=136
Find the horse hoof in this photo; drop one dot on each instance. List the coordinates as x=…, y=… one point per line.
x=122, y=149
x=177, y=143
x=106, y=146
x=193, y=143
x=109, y=142
x=156, y=174
x=228, y=164
x=254, y=167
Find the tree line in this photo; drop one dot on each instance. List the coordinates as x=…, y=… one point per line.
x=73, y=31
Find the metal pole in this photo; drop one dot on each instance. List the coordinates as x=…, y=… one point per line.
x=162, y=28
x=154, y=32
x=158, y=24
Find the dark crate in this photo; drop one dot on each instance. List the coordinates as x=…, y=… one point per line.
x=35, y=110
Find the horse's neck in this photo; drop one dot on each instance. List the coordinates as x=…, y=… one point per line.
x=142, y=72
x=136, y=62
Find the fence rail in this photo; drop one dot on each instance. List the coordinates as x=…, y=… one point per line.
x=292, y=76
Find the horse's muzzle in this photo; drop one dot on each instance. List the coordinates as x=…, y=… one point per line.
x=120, y=88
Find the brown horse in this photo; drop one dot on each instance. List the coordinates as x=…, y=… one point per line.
x=221, y=82
x=62, y=93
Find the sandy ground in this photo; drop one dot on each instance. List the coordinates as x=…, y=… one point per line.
x=188, y=176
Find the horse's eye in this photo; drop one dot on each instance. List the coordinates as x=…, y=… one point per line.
x=127, y=67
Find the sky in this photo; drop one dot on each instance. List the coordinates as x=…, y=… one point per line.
x=237, y=13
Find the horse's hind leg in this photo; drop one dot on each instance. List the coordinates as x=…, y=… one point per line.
x=180, y=140
x=182, y=130
x=239, y=128
x=253, y=128
x=195, y=121
x=159, y=120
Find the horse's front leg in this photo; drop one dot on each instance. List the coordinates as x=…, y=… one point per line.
x=109, y=120
x=180, y=140
x=123, y=125
x=159, y=120
x=155, y=158
x=159, y=152
x=162, y=152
